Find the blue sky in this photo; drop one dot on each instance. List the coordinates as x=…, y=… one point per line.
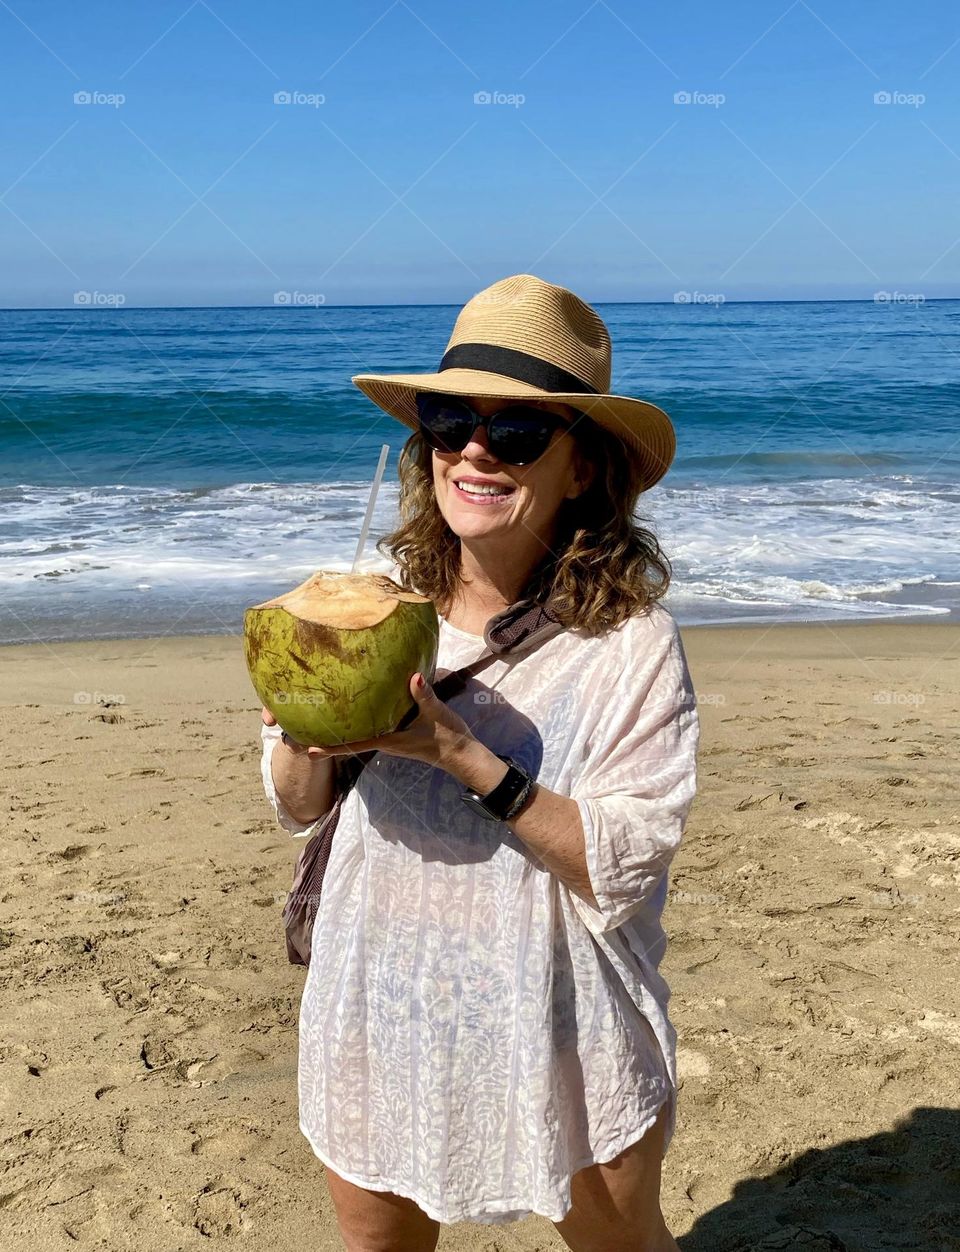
x=385, y=180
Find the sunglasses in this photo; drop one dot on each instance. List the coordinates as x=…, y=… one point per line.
x=516, y=435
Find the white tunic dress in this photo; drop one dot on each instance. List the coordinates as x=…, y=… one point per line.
x=472, y=1032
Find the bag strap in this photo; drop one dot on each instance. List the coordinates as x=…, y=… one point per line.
x=349, y=768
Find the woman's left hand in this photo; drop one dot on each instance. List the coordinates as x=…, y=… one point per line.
x=436, y=736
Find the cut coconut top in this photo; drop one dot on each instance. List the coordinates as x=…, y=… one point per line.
x=348, y=601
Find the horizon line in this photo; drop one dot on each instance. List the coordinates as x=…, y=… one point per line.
x=454, y=304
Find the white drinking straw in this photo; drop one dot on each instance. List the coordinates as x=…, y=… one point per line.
x=365, y=529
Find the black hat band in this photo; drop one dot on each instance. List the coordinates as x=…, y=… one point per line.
x=512, y=363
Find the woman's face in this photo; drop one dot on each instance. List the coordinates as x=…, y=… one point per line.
x=534, y=492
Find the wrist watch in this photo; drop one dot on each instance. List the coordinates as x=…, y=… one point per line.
x=298, y=748
x=506, y=799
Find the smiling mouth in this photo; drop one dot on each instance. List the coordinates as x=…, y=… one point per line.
x=483, y=494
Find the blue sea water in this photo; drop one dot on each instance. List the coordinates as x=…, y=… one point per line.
x=163, y=468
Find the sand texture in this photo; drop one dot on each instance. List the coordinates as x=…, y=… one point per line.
x=149, y=1015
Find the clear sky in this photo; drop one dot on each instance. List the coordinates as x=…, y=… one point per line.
x=387, y=178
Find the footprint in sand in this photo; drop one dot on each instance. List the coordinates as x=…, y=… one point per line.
x=184, y=1060
x=772, y=797
x=72, y=852
x=129, y=994
x=230, y=1137
x=220, y=1208
x=262, y=827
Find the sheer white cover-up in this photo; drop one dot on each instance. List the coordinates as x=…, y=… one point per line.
x=472, y=1032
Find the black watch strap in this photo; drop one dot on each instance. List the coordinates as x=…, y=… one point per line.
x=508, y=796
x=299, y=748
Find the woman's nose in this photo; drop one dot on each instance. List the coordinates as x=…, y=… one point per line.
x=478, y=446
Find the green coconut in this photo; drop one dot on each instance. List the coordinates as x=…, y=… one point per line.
x=333, y=658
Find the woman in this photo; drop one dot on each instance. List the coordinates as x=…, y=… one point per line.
x=483, y=1031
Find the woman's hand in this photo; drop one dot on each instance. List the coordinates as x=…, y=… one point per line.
x=297, y=748
x=436, y=736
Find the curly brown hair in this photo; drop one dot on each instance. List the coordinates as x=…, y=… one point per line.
x=604, y=569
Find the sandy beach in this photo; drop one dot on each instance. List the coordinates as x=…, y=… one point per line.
x=150, y=1016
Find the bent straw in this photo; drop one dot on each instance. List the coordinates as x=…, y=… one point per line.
x=365, y=528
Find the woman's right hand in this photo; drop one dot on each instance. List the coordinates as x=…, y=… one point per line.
x=296, y=749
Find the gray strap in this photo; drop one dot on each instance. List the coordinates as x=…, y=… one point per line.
x=349, y=768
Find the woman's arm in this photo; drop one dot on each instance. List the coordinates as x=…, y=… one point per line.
x=549, y=824
x=300, y=785
x=613, y=839
x=305, y=785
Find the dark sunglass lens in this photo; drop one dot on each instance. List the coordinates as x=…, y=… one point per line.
x=446, y=425
x=520, y=434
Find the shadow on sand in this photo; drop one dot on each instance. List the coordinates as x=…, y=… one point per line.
x=892, y=1192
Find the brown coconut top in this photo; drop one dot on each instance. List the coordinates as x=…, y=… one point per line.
x=348, y=601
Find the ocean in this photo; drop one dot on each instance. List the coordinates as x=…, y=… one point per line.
x=162, y=469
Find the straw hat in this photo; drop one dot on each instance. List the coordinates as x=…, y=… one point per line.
x=526, y=339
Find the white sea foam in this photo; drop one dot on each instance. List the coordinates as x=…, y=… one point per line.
x=830, y=547
x=854, y=547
